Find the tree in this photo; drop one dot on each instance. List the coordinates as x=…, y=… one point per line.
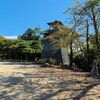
x=7, y=48
x=93, y=46
x=30, y=34
x=90, y=10
x=20, y=49
x=30, y=42
x=26, y=48
x=63, y=37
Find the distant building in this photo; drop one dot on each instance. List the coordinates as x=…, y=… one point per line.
x=60, y=55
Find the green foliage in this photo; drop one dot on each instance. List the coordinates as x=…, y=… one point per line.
x=61, y=37
x=84, y=61
x=24, y=46
x=42, y=61
x=93, y=46
x=52, y=61
x=27, y=47
x=88, y=10
x=30, y=34
x=37, y=46
x=98, y=58
x=93, y=41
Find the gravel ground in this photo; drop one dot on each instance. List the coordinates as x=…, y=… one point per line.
x=27, y=81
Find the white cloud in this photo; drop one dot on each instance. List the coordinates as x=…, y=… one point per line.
x=11, y=37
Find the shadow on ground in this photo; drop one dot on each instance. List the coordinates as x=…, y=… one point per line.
x=47, y=84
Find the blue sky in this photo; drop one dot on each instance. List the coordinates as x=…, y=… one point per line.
x=18, y=15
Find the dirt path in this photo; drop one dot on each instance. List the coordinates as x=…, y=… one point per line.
x=30, y=82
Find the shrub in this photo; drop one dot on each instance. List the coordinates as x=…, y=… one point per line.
x=49, y=60
x=42, y=61
x=52, y=61
x=85, y=61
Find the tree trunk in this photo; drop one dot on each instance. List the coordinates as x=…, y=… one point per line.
x=95, y=28
x=71, y=53
x=87, y=41
x=87, y=36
